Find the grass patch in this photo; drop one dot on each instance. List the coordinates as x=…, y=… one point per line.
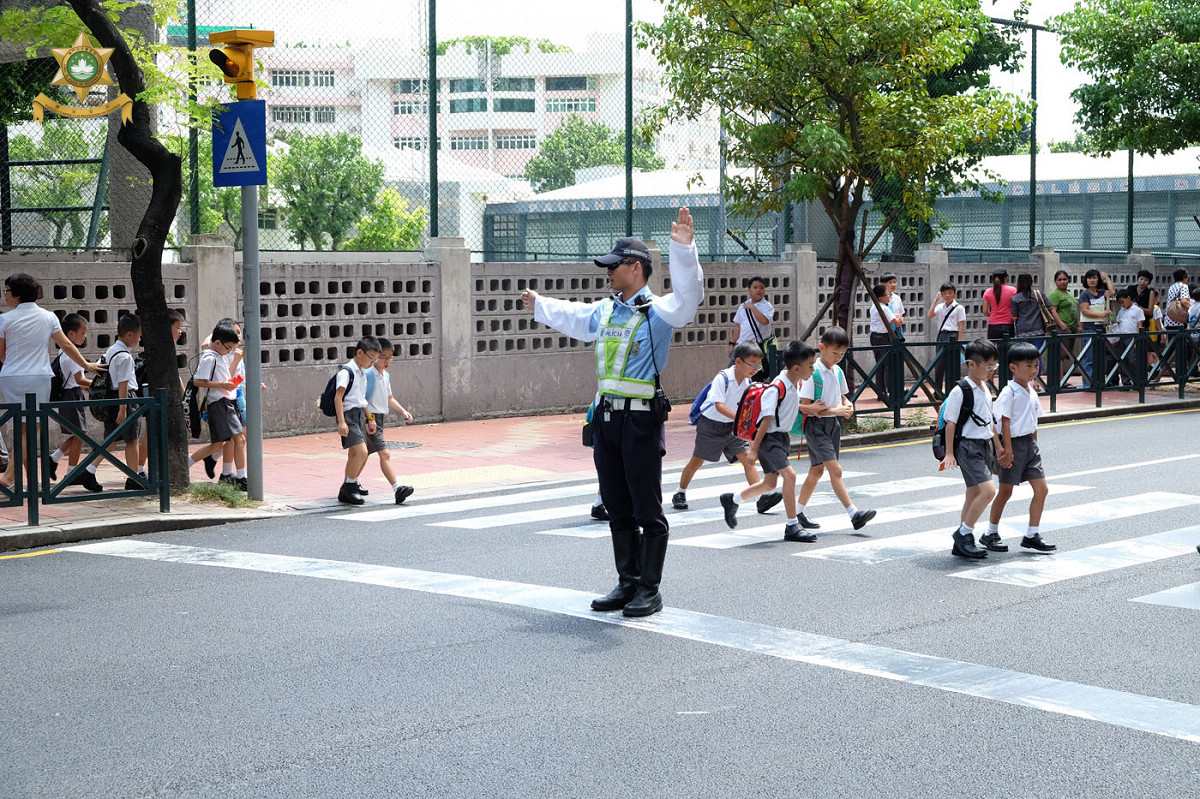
x=867, y=424
x=918, y=418
x=218, y=493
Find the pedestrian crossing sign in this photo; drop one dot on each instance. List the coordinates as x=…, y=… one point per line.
x=240, y=144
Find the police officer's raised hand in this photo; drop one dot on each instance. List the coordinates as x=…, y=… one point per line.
x=683, y=231
x=528, y=298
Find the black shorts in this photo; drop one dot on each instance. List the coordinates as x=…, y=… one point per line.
x=375, y=442
x=76, y=416
x=131, y=433
x=823, y=437
x=223, y=420
x=356, y=420
x=773, y=452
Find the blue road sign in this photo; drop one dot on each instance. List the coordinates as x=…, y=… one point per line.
x=240, y=145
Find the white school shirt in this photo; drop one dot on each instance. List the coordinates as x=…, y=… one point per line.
x=895, y=305
x=782, y=410
x=983, y=409
x=70, y=370
x=724, y=388
x=121, y=370
x=214, y=367
x=1020, y=406
x=958, y=314
x=833, y=385
x=26, y=331
x=1130, y=319
x=377, y=403
x=356, y=395
x=742, y=319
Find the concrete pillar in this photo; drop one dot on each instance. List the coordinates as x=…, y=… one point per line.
x=1140, y=259
x=803, y=260
x=659, y=271
x=455, y=314
x=936, y=260
x=1045, y=263
x=212, y=259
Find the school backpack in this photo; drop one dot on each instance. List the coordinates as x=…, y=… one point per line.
x=193, y=405
x=57, y=381
x=967, y=411
x=798, y=425
x=701, y=405
x=326, y=401
x=102, y=389
x=745, y=421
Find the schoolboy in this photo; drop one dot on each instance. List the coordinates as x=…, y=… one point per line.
x=350, y=405
x=122, y=371
x=212, y=375
x=74, y=382
x=1130, y=319
x=771, y=443
x=823, y=428
x=1018, y=409
x=379, y=400
x=979, y=447
x=952, y=322
x=714, y=428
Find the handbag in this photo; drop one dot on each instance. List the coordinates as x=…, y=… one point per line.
x=1043, y=311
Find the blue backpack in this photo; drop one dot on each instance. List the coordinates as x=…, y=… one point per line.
x=967, y=411
x=699, y=406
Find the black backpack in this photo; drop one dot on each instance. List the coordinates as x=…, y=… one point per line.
x=967, y=411
x=193, y=404
x=102, y=389
x=326, y=401
x=57, y=381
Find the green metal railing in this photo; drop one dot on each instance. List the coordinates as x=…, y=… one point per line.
x=32, y=486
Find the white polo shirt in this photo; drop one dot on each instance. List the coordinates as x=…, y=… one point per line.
x=214, y=367
x=833, y=385
x=782, y=410
x=742, y=319
x=120, y=368
x=1021, y=406
x=377, y=403
x=724, y=388
x=949, y=321
x=356, y=395
x=26, y=332
x=895, y=305
x=70, y=370
x=983, y=409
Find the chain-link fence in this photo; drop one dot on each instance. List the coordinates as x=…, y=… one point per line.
x=383, y=131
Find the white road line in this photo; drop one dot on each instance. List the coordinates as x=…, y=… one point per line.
x=1123, y=466
x=760, y=534
x=900, y=547
x=1043, y=570
x=1150, y=714
x=1184, y=596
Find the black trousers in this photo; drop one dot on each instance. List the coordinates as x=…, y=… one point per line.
x=939, y=371
x=882, y=383
x=628, y=448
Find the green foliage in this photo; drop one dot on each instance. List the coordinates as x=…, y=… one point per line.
x=1082, y=143
x=390, y=226
x=578, y=144
x=218, y=494
x=327, y=184
x=1144, y=59
x=503, y=45
x=220, y=208
x=824, y=97
x=58, y=185
x=20, y=82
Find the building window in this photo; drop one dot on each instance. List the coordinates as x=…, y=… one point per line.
x=410, y=86
x=579, y=84
x=410, y=107
x=464, y=85
x=323, y=114
x=567, y=104
x=290, y=77
x=413, y=142
x=323, y=77
x=468, y=143
x=513, y=104
x=268, y=219
x=291, y=113
x=467, y=105
x=513, y=85
x=516, y=141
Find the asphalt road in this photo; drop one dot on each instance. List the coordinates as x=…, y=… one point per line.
x=445, y=648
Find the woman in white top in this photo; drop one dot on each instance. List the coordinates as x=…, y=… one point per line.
x=25, y=335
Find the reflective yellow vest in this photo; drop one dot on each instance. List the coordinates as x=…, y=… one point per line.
x=613, y=345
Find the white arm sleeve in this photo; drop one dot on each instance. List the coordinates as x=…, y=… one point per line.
x=687, y=287
x=572, y=318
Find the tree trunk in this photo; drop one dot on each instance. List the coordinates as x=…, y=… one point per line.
x=166, y=171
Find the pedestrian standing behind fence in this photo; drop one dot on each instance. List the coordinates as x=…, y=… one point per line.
x=881, y=340
x=997, y=305
x=753, y=323
x=1064, y=311
x=1093, y=310
x=1180, y=292
x=1130, y=319
x=952, y=324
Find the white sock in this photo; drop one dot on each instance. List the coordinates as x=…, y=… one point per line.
x=595, y=504
x=57, y=455
x=965, y=529
x=793, y=521
x=851, y=509
x=1032, y=532
x=191, y=461
x=737, y=498
x=993, y=529
x=226, y=468
x=395, y=487
x=799, y=509
x=91, y=467
x=352, y=480
x=241, y=473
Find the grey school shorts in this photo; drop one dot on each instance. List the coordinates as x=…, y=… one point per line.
x=1027, y=462
x=356, y=420
x=129, y=434
x=375, y=442
x=223, y=420
x=76, y=416
x=714, y=439
x=976, y=460
x=773, y=452
x=823, y=438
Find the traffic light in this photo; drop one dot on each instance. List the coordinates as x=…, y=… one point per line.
x=236, y=59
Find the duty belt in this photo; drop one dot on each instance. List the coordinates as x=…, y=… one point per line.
x=609, y=403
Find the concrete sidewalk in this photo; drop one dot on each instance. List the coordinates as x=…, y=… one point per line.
x=303, y=473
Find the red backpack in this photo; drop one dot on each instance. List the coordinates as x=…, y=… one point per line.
x=745, y=423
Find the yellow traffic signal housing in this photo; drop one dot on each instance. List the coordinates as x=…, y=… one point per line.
x=236, y=59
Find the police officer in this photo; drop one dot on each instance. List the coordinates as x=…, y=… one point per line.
x=632, y=332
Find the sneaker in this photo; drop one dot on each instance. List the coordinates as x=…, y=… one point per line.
x=794, y=532
x=227, y=478
x=348, y=495
x=1037, y=544
x=964, y=546
x=807, y=523
x=242, y=483
x=403, y=493
x=210, y=466
x=860, y=519
x=361, y=490
x=679, y=501
x=88, y=481
x=768, y=501
x=600, y=513
x=730, y=509
x=992, y=542
x=52, y=469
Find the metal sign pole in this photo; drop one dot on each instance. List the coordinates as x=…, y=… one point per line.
x=252, y=341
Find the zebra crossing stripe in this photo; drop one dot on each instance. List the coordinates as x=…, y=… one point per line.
x=1068, y=565
x=1156, y=716
x=831, y=524
x=1184, y=596
x=910, y=546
